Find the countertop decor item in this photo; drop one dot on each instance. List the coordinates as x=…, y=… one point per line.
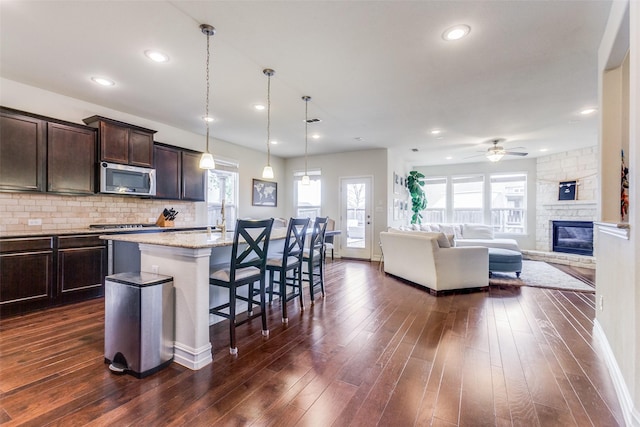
x=167, y=217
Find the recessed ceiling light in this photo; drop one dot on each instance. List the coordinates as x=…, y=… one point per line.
x=436, y=132
x=448, y=158
x=315, y=136
x=208, y=119
x=544, y=149
x=273, y=142
x=103, y=81
x=456, y=33
x=588, y=111
x=156, y=56
x=259, y=107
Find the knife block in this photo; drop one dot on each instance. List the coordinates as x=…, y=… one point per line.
x=162, y=222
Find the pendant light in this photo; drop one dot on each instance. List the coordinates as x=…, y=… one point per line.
x=267, y=172
x=305, y=178
x=206, y=161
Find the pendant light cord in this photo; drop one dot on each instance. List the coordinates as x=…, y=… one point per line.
x=269, y=119
x=306, y=126
x=206, y=116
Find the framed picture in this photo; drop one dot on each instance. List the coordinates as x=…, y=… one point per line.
x=396, y=182
x=265, y=193
x=568, y=190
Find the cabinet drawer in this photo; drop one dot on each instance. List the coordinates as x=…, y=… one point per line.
x=65, y=242
x=26, y=244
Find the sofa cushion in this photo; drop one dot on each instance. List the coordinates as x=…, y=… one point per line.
x=477, y=231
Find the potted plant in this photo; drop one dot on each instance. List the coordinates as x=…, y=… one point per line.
x=418, y=198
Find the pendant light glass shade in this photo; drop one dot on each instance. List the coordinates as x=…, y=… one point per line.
x=267, y=172
x=206, y=161
x=305, y=178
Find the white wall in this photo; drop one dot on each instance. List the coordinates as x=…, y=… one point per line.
x=342, y=165
x=617, y=250
x=486, y=168
x=38, y=101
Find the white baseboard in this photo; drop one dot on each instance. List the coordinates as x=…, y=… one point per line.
x=631, y=414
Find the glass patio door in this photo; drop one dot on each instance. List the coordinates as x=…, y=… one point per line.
x=355, y=217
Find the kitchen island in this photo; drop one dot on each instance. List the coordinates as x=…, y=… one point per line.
x=188, y=256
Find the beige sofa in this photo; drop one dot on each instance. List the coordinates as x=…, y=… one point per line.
x=427, y=259
x=469, y=235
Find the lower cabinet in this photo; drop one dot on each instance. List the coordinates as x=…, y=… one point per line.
x=82, y=266
x=26, y=274
x=42, y=272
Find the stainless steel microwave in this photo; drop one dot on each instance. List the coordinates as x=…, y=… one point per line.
x=123, y=179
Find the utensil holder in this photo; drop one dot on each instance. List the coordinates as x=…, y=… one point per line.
x=162, y=222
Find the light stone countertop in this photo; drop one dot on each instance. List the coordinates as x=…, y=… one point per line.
x=98, y=231
x=186, y=239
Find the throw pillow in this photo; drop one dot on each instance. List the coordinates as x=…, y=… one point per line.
x=477, y=231
x=443, y=241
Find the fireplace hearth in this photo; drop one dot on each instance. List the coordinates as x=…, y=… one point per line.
x=573, y=237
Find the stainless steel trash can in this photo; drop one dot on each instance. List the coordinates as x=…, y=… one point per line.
x=138, y=322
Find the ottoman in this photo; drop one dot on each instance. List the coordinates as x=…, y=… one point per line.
x=505, y=260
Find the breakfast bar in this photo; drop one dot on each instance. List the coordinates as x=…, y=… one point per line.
x=187, y=256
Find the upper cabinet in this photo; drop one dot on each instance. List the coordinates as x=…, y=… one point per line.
x=178, y=174
x=23, y=152
x=123, y=143
x=41, y=154
x=71, y=159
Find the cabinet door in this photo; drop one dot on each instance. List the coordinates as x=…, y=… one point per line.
x=168, y=172
x=22, y=153
x=140, y=148
x=71, y=159
x=193, y=178
x=26, y=274
x=82, y=263
x=114, y=143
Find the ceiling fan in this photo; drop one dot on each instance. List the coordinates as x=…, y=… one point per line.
x=497, y=152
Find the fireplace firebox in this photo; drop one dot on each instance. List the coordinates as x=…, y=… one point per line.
x=573, y=237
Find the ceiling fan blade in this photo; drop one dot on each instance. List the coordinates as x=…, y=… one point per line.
x=515, y=153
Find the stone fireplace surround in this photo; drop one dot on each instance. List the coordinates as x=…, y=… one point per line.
x=580, y=165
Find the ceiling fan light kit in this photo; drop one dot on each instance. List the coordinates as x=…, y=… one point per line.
x=497, y=152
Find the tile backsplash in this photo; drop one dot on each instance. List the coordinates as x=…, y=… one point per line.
x=63, y=212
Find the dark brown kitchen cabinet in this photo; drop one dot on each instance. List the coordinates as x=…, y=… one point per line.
x=42, y=272
x=26, y=274
x=71, y=159
x=193, y=178
x=82, y=267
x=178, y=174
x=23, y=151
x=123, y=143
x=168, y=161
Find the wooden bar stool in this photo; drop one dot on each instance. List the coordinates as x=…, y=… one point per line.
x=248, y=265
x=313, y=256
x=289, y=260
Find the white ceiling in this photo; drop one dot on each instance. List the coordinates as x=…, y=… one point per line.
x=376, y=70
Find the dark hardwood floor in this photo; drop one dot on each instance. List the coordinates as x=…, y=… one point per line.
x=375, y=351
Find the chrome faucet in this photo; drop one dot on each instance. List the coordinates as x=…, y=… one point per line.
x=222, y=225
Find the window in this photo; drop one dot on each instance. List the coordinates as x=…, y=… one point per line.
x=508, y=203
x=222, y=185
x=436, y=192
x=308, y=198
x=468, y=194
